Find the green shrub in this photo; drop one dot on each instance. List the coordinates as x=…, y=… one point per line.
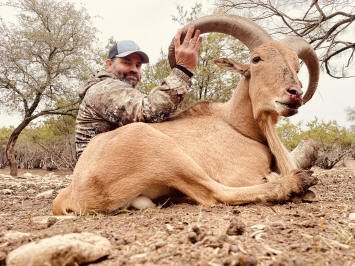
x=334, y=142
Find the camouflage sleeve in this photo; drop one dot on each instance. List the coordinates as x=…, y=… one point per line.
x=122, y=105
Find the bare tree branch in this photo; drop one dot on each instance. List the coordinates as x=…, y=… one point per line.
x=325, y=24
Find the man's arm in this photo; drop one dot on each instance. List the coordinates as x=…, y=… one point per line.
x=126, y=105
x=121, y=105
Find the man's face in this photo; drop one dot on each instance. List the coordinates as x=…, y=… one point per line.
x=126, y=68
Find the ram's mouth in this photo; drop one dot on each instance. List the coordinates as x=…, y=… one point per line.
x=293, y=105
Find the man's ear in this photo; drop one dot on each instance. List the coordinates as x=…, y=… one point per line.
x=234, y=66
x=108, y=64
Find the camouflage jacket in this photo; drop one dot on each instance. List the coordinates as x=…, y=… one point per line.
x=108, y=103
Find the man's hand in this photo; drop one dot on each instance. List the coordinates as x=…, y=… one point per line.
x=186, y=53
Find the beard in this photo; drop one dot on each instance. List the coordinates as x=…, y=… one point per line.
x=131, y=77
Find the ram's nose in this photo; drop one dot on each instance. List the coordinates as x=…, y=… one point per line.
x=295, y=90
x=295, y=93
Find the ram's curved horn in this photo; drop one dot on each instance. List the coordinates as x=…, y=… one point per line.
x=248, y=32
x=306, y=53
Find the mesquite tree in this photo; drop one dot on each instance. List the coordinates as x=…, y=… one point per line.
x=43, y=56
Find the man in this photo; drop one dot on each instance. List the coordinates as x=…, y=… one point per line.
x=110, y=100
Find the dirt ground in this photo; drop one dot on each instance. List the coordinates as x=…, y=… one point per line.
x=320, y=232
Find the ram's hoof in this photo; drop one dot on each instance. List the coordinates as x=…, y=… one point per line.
x=306, y=180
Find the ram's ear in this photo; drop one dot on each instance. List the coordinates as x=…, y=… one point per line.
x=234, y=66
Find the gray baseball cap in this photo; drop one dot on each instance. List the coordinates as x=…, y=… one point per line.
x=127, y=47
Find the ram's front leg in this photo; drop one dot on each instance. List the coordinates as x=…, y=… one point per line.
x=285, y=163
x=280, y=189
x=291, y=178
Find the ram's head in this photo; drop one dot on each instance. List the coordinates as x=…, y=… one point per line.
x=272, y=71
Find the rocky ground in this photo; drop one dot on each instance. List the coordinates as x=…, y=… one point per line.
x=320, y=232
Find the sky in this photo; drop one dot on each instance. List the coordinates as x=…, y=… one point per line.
x=149, y=23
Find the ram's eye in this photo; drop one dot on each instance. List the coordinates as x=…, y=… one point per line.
x=256, y=59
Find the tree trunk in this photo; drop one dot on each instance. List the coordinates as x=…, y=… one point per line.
x=10, y=154
x=10, y=147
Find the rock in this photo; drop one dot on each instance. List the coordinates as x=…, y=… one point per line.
x=258, y=226
x=160, y=244
x=31, y=191
x=236, y=227
x=51, y=176
x=196, y=234
x=241, y=260
x=196, y=229
x=192, y=236
x=11, y=236
x=69, y=249
x=234, y=248
x=27, y=175
x=45, y=195
x=277, y=224
x=212, y=242
x=50, y=219
x=235, y=211
x=352, y=216
x=7, y=191
x=169, y=228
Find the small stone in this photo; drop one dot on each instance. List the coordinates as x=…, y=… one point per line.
x=31, y=191
x=241, y=260
x=236, y=211
x=161, y=256
x=212, y=242
x=27, y=175
x=7, y=191
x=46, y=219
x=352, y=216
x=251, y=261
x=121, y=242
x=169, y=228
x=258, y=226
x=308, y=224
x=46, y=194
x=196, y=229
x=276, y=224
x=160, y=244
x=192, y=236
x=51, y=221
x=234, y=248
x=236, y=227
